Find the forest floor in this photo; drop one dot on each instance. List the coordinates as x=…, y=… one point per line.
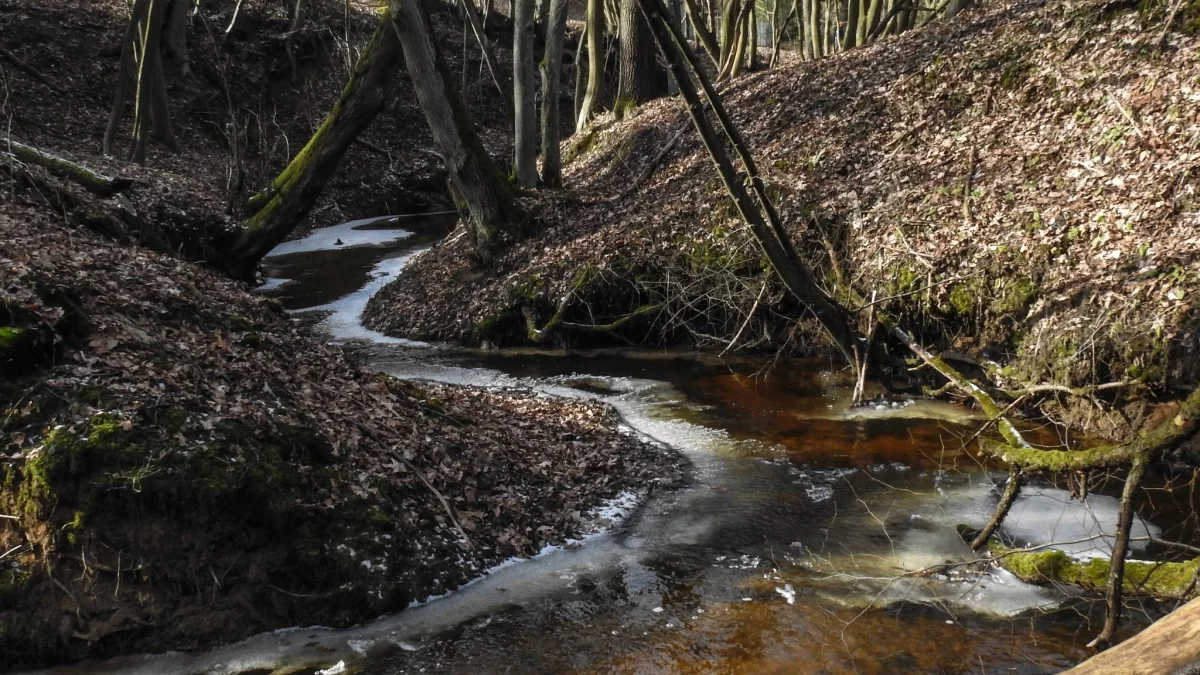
x=1020, y=184
x=180, y=463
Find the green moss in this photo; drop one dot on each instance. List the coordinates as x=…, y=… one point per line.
x=623, y=106
x=1015, y=296
x=1158, y=579
x=962, y=299
x=581, y=144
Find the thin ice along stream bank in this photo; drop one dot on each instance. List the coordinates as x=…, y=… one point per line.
x=811, y=537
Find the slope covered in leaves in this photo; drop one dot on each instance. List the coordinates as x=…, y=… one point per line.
x=1021, y=181
x=181, y=464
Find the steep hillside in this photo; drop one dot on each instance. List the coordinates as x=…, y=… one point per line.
x=1019, y=183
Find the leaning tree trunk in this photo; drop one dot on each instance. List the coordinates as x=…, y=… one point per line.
x=706, y=37
x=485, y=199
x=275, y=212
x=637, y=81
x=524, y=115
x=768, y=231
x=595, y=74
x=556, y=28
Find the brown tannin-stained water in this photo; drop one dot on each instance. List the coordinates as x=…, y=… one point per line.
x=794, y=548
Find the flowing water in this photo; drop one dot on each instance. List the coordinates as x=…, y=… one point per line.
x=811, y=537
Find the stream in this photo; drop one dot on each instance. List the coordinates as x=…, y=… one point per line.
x=792, y=549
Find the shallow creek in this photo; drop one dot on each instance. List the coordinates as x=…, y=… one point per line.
x=791, y=550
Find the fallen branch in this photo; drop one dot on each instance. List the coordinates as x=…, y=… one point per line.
x=31, y=71
x=1166, y=436
x=654, y=163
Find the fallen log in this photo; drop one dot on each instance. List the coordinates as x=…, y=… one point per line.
x=1163, y=580
x=1170, y=645
x=92, y=181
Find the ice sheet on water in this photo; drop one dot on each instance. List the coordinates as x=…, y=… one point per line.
x=1082, y=529
x=363, y=232
x=345, y=321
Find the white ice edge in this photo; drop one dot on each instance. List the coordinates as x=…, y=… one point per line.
x=350, y=235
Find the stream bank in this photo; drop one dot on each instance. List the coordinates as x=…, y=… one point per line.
x=184, y=466
x=1018, y=184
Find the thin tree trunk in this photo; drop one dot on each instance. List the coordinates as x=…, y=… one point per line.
x=524, y=114
x=1011, y=489
x=580, y=77
x=556, y=28
x=150, y=86
x=752, y=37
x=1116, y=566
x=486, y=201
x=175, y=46
x=772, y=237
x=485, y=45
x=595, y=79
x=814, y=29
x=124, y=74
x=275, y=212
x=706, y=37
x=730, y=11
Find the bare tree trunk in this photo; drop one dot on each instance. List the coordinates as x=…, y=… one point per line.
x=175, y=39
x=275, y=212
x=752, y=37
x=637, y=81
x=849, y=36
x=123, y=77
x=769, y=232
x=580, y=77
x=814, y=29
x=1116, y=565
x=706, y=37
x=556, y=27
x=524, y=114
x=485, y=45
x=595, y=79
x=150, y=109
x=486, y=201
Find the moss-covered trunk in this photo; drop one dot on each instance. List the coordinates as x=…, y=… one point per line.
x=275, y=212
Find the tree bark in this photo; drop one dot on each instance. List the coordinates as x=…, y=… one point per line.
x=769, y=232
x=814, y=29
x=556, y=28
x=274, y=213
x=637, y=81
x=524, y=115
x=849, y=37
x=595, y=75
x=151, y=110
x=1116, y=566
x=175, y=39
x=486, y=201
